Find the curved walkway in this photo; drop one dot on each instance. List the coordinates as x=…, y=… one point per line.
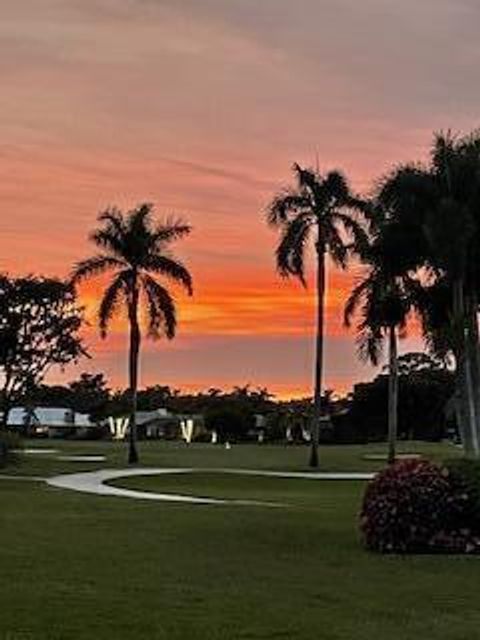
x=94, y=482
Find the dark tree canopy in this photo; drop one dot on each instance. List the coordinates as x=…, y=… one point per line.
x=40, y=323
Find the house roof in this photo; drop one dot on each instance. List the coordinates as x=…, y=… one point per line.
x=83, y=420
x=144, y=417
x=48, y=417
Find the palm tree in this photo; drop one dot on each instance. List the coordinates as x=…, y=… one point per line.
x=384, y=299
x=438, y=207
x=452, y=228
x=321, y=206
x=135, y=248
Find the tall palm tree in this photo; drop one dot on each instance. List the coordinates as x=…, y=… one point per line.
x=384, y=299
x=452, y=227
x=135, y=249
x=322, y=207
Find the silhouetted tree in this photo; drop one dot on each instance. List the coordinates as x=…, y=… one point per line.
x=438, y=207
x=384, y=299
x=40, y=321
x=322, y=207
x=136, y=249
x=89, y=394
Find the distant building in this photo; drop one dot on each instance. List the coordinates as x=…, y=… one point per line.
x=162, y=424
x=52, y=422
x=62, y=422
x=156, y=424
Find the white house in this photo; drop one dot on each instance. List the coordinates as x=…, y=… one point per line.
x=50, y=421
x=158, y=424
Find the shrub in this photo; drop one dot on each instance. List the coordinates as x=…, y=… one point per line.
x=8, y=443
x=417, y=506
x=465, y=476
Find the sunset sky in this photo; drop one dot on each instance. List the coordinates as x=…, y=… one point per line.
x=201, y=107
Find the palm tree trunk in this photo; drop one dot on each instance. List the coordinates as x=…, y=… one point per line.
x=459, y=401
x=133, y=373
x=392, y=395
x=473, y=355
x=317, y=396
x=464, y=370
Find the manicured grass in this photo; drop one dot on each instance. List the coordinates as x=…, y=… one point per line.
x=253, y=456
x=291, y=493
x=76, y=566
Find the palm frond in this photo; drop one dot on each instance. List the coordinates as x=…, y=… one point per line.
x=370, y=343
x=337, y=249
x=114, y=219
x=357, y=232
x=139, y=219
x=171, y=268
x=337, y=187
x=94, y=266
x=283, y=205
x=109, y=240
x=171, y=229
x=291, y=250
x=354, y=300
x=307, y=177
x=161, y=309
x=111, y=300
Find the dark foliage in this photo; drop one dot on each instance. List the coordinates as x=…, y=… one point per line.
x=414, y=506
x=229, y=421
x=88, y=394
x=465, y=476
x=43, y=320
x=425, y=389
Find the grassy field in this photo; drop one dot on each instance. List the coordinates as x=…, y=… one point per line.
x=76, y=566
x=205, y=456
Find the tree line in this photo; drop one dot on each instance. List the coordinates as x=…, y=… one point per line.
x=245, y=413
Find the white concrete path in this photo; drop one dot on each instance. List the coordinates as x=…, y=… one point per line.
x=7, y=476
x=94, y=482
x=37, y=451
x=81, y=458
x=304, y=475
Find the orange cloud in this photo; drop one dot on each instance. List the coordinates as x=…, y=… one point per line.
x=246, y=305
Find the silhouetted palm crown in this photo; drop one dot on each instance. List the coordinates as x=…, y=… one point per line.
x=324, y=203
x=435, y=211
x=383, y=299
x=136, y=250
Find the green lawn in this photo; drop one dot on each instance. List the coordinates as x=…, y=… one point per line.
x=79, y=566
x=177, y=454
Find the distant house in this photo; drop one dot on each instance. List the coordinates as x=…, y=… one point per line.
x=53, y=422
x=162, y=424
x=62, y=422
x=84, y=427
x=156, y=424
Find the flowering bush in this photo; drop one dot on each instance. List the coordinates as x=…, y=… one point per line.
x=417, y=506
